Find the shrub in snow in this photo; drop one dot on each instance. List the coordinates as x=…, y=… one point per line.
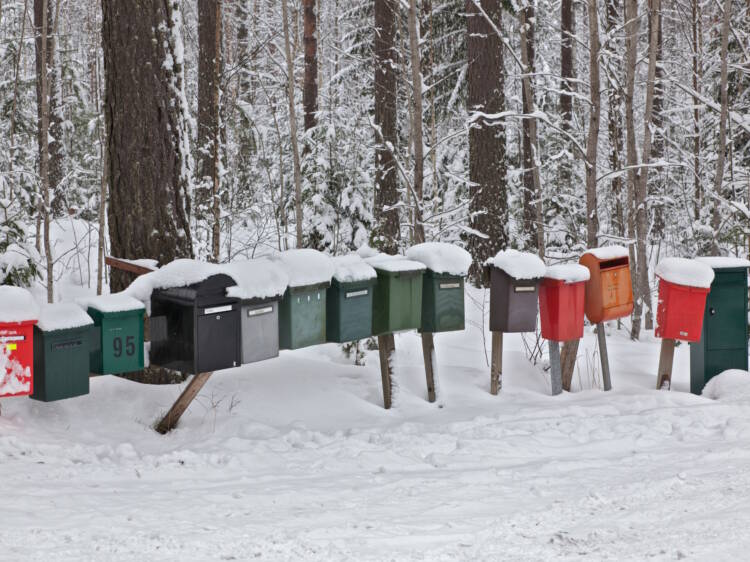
x=441, y=257
x=733, y=384
x=18, y=260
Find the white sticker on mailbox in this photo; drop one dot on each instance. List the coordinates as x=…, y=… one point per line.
x=450, y=285
x=217, y=309
x=525, y=289
x=6, y=339
x=259, y=311
x=357, y=294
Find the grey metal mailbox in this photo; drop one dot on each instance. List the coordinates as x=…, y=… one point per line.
x=514, y=292
x=260, y=330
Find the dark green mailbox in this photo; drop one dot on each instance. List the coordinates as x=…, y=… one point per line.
x=117, y=344
x=723, y=343
x=349, y=300
x=397, y=299
x=302, y=311
x=443, y=285
x=61, y=352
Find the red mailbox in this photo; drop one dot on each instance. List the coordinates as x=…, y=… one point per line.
x=562, y=297
x=18, y=314
x=683, y=287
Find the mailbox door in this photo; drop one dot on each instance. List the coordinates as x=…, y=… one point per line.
x=726, y=312
x=260, y=331
x=217, y=338
x=122, y=342
x=17, y=341
x=398, y=302
x=561, y=309
x=679, y=315
x=442, y=303
x=349, y=311
x=302, y=317
x=61, y=359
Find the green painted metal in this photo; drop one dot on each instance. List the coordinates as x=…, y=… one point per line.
x=397, y=301
x=442, y=303
x=61, y=363
x=349, y=311
x=302, y=316
x=723, y=343
x=117, y=346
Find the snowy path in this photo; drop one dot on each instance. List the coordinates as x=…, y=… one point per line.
x=307, y=465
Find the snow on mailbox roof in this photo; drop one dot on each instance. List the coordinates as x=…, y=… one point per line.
x=608, y=252
x=441, y=257
x=256, y=279
x=519, y=265
x=62, y=316
x=719, y=262
x=17, y=305
x=352, y=267
x=683, y=271
x=305, y=267
x=394, y=263
x=568, y=272
x=179, y=273
x=366, y=251
x=115, y=302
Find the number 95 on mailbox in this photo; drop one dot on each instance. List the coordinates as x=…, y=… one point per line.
x=117, y=344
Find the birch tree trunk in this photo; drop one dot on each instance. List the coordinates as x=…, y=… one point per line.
x=310, y=89
x=528, y=160
x=416, y=125
x=592, y=141
x=697, y=80
x=43, y=104
x=293, y=123
x=614, y=99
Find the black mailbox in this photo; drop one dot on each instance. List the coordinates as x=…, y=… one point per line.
x=196, y=329
x=514, y=291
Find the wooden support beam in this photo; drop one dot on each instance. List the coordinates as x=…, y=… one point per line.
x=496, y=369
x=555, y=367
x=666, y=360
x=387, y=348
x=169, y=421
x=126, y=265
x=428, y=352
x=568, y=358
x=601, y=336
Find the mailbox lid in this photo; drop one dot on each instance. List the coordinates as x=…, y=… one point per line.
x=302, y=316
x=442, y=302
x=349, y=310
x=679, y=314
x=561, y=307
x=513, y=302
x=61, y=359
x=260, y=330
x=397, y=301
x=120, y=348
x=17, y=340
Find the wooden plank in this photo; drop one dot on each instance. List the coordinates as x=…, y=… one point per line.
x=666, y=360
x=428, y=352
x=169, y=421
x=601, y=336
x=386, y=348
x=555, y=367
x=568, y=358
x=496, y=369
x=128, y=266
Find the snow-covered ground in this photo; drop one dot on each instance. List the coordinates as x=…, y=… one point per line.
x=295, y=458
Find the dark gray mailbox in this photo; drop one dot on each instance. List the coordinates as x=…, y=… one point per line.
x=196, y=329
x=514, y=291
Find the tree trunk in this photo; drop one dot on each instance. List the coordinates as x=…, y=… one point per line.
x=386, y=233
x=147, y=142
x=614, y=99
x=210, y=62
x=530, y=194
x=697, y=80
x=310, y=89
x=293, y=123
x=656, y=186
x=643, y=290
x=567, y=71
x=42, y=69
x=592, y=141
x=416, y=125
x=720, y=157
x=485, y=100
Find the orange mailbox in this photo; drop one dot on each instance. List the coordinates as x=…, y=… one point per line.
x=609, y=291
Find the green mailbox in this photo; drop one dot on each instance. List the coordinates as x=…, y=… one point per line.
x=397, y=299
x=302, y=311
x=443, y=285
x=723, y=343
x=349, y=300
x=117, y=344
x=61, y=352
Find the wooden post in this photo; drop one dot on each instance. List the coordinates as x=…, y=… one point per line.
x=386, y=348
x=169, y=421
x=496, y=370
x=428, y=352
x=666, y=359
x=602, y=337
x=129, y=266
x=568, y=362
x=555, y=367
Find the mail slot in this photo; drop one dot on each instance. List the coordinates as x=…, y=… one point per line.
x=202, y=326
x=514, y=291
x=61, y=352
x=609, y=291
x=349, y=300
x=397, y=298
x=18, y=314
x=117, y=340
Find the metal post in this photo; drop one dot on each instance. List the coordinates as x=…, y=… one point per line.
x=555, y=367
x=602, y=337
